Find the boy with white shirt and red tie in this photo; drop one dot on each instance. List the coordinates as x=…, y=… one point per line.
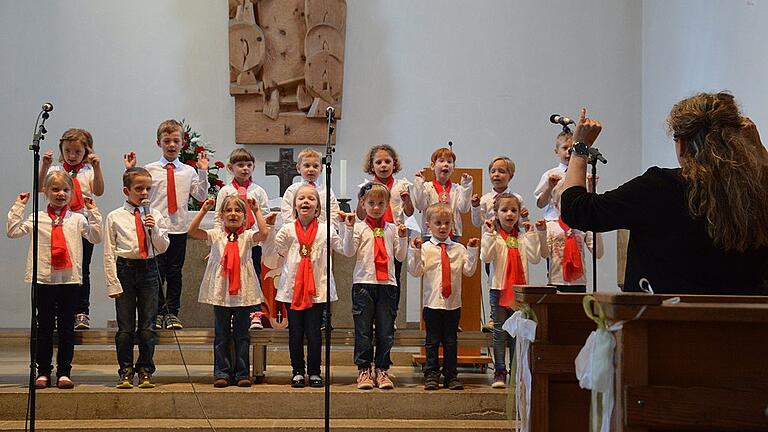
x=374, y=287
x=549, y=179
x=132, y=241
x=441, y=262
x=172, y=184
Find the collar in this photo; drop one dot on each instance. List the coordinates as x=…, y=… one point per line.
x=507, y=190
x=318, y=183
x=130, y=207
x=176, y=162
x=436, y=242
x=563, y=166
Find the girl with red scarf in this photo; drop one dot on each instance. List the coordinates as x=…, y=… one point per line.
x=230, y=284
x=79, y=161
x=509, y=249
x=374, y=287
x=60, y=256
x=301, y=245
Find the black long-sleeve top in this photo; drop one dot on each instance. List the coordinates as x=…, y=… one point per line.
x=667, y=246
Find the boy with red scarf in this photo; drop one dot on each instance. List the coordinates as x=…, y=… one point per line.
x=509, y=249
x=301, y=245
x=442, y=190
x=441, y=262
x=230, y=283
x=374, y=287
x=59, y=264
x=241, y=165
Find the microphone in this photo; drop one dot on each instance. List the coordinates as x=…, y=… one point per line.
x=145, y=208
x=561, y=120
x=330, y=114
x=47, y=107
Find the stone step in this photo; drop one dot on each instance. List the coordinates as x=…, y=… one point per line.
x=265, y=425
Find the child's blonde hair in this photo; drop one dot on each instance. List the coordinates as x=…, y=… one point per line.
x=58, y=176
x=562, y=137
x=508, y=161
x=368, y=163
x=438, y=209
x=374, y=189
x=239, y=202
x=131, y=173
x=76, y=135
x=306, y=153
x=497, y=203
x=317, y=198
x=443, y=152
x=241, y=155
x=169, y=127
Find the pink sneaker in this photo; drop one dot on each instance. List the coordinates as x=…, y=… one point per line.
x=382, y=380
x=364, y=381
x=256, y=321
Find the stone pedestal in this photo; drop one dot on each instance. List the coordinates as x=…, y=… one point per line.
x=194, y=314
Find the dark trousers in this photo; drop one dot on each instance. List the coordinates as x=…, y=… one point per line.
x=140, y=283
x=224, y=366
x=84, y=295
x=442, y=326
x=256, y=257
x=501, y=339
x=301, y=324
x=56, y=304
x=373, y=303
x=171, y=263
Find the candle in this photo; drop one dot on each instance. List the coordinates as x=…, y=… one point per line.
x=343, y=178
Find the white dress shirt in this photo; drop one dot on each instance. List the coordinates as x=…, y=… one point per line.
x=550, y=211
x=284, y=245
x=214, y=288
x=121, y=240
x=395, y=201
x=75, y=226
x=254, y=191
x=485, y=210
x=189, y=182
x=286, y=207
x=427, y=264
x=493, y=249
x=555, y=246
x=362, y=242
x=460, y=200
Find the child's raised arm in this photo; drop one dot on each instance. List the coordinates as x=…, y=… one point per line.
x=194, y=228
x=261, y=235
x=98, y=178
x=92, y=230
x=44, y=166
x=470, y=260
x=17, y=226
x=415, y=262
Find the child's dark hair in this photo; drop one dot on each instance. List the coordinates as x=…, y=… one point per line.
x=132, y=173
x=77, y=135
x=241, y=155
x=368, y=163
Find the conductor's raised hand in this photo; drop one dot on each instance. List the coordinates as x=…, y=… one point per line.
x=473, y=242
x=129, y=160
x=417, y=242
x=587, y=129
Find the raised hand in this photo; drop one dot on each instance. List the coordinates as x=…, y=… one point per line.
x=419, y=173
x=349, y=219
x=208, y=204
x=404, y=195
x=524, y=212
x=90, y=204
x=129, y=160
x=202, y=161
x=587, y=129
x=475, y=200
x=490, y=226
x=270, y=219
x=23, y=198
x=417, y=242
x=541, y=225
x=402, y=230
x=465, y=179
x=48, y=157
x=473, y=242
x=553, y=179
x=253, y=205
x=94, y=160
x=527, y=226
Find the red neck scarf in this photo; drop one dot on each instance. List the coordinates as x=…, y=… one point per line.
x=445, y=270
x=76, y=202
x=380, y=257
x=304, y=285
x=59, y=252
x=141, y=236
x=514, y=274
x=443, y=192
x=389, y=182
x=242, y=192
x=230, y=262
x=170, y=177
x=573, y=268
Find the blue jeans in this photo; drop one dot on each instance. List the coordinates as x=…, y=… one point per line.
x=226, y=333
x=442, y=326
x=499, y=314
x=141, y=282
x=372, y=303
x=171, y=263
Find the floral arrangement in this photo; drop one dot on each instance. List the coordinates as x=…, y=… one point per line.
x=190, y=151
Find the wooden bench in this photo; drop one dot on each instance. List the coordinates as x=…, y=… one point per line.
x=700, y=364
x=260, y=340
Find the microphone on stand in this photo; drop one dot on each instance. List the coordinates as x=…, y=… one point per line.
x=47, y=107
x=330, y=114
x=561, y=120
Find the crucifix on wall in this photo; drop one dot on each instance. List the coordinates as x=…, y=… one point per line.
x=286, y=61
x=284, y=168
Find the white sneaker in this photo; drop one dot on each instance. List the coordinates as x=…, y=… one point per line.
x=256, y=321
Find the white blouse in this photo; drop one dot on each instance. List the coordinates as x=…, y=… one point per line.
x=485, y=211
x=554, y=247
x=286, y=206
x=427, y=263
x=214, y=288
x=84, y=177
x=460, y=200
x=493, y=249
x=362, y=242
x=254, y=191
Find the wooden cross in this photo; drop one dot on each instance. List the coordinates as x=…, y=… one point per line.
x=284, y=168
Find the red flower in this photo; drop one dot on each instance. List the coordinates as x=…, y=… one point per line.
x=199, y=149
x=185, y=146
x=219, y=164
x=186, y=137
x=219, y=183
x=191, y=163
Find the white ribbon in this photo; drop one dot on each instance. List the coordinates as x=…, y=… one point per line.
x=524, y=332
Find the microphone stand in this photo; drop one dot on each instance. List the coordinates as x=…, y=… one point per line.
x=38, y=136
x=327, y=160
x=594, y=157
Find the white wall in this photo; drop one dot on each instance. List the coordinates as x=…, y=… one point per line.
x=485, y=75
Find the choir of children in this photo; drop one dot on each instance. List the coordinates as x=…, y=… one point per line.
x=143, y=248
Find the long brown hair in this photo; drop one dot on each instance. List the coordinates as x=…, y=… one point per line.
x=724, y=171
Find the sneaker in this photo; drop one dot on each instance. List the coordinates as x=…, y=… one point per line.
x=453, y=383
x=431, y=381
x=145, y=379
x=500, y=379
x=315, y=381
x=364, y=381
x=82, y=322
x=159, y=322
x=298, y=381
x=126, y=380
x=172, y=322
x=64, y=383
x=244, y=382
x=381, y=380
x=256, y=321
x=220, y=382
x=43, y=381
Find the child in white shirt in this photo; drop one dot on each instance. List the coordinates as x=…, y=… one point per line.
x=310, y=168
x=549, y=179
